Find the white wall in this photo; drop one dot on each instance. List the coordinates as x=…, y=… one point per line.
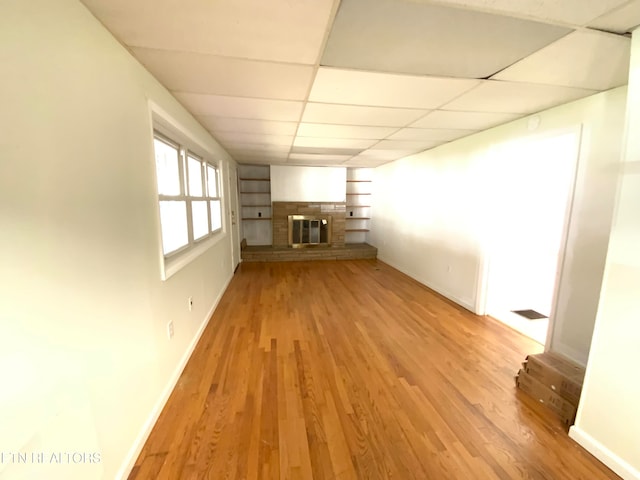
x=433, y=211
x=308, y=184
x=526, y=231
x=85, y=357
x=608, y=420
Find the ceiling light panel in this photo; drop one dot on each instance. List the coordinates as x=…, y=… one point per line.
x=246, y=125
x=511, y=97
x=198, y=73
x=277, y=30
x=418, y=38
x=240, y=107
x=344, y=131
x=621, y=20
x=351, y=87
x=430, y=134
x=573, y=12
x=584, y=59
x=357, y=115
x=463, y=120
x=332, y=142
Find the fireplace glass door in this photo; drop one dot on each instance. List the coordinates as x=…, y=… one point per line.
x=306, y=231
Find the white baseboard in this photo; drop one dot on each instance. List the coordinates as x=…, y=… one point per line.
x=463, y=303
x=142, y=437
x=602, y=453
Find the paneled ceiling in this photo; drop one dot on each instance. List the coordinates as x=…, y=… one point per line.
x=365, y=82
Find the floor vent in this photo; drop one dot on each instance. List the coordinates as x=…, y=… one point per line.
x=529, y=314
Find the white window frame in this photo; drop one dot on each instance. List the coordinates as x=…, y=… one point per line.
x=167, y=132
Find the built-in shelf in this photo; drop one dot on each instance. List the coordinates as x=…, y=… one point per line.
x=358, y=190
x=254, y=186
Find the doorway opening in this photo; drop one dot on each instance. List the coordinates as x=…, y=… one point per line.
x=529, y=221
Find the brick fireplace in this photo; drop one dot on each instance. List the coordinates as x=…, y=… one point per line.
x=282, y=210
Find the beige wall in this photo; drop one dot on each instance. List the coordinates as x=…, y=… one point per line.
x=83, y=313
x=433, y=211
x=608, y=420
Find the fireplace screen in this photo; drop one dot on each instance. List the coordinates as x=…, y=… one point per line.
x=305, y=230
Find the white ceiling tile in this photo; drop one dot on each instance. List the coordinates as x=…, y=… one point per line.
x=357, y=115
x=251, y=148
x=407, y=145
x=621, y=20
x=277, y=30
x=332, y=142
x=316, y=163
x=326, y=150
x=199, y=73
x=239, y=107
x=511, y=97
x=259, y=157
x=366, y=162
x=430, y=134
x=351, y=87
x=260, y=160
x=257, y=138
x=384, y=155
x=343, y=131
x=573, y=12
x=418, y=38
x=463, y=120
x=584, y=59
x=260, y=154
x=265, y=127
x=315, y=157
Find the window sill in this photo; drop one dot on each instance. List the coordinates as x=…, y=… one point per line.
x=173, y=264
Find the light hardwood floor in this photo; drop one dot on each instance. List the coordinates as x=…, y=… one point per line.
x=350, y=369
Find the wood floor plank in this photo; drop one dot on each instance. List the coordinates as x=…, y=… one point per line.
x=352, y=370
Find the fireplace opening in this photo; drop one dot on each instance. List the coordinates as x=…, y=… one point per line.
x=306, y=231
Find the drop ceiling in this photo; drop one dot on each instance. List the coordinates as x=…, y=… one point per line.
x=365, y=82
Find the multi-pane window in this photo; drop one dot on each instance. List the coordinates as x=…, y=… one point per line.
x=188, y=193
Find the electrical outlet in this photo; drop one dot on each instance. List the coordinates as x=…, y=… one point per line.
x=170, y=329
x=190, y=303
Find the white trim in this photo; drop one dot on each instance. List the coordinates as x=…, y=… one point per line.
x=602, y=453
x=169, y=266
x=174, y=133
x=143, y=435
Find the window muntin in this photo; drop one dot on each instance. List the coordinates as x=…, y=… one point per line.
x=188, y=196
